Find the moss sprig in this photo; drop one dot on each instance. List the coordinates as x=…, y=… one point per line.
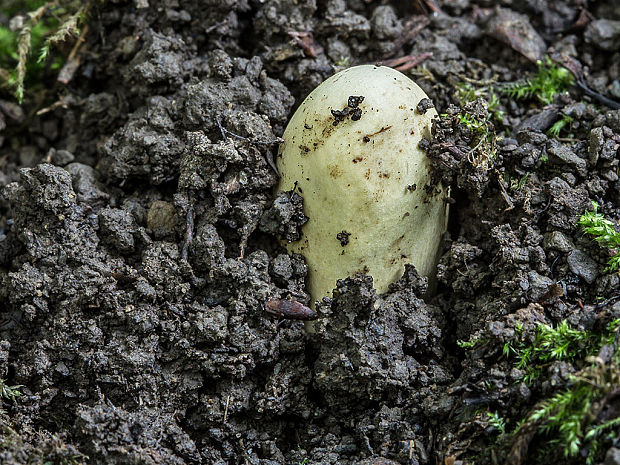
x=70, y=27
x=559, y=343
x=24, y=40
x=9, y=392
x=603, y=232
x=549, y=80
x=49, y=24
x=467, y=92
x=483, y=149
x=580, y=419
x=559, y=125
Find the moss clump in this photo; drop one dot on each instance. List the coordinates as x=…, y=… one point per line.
x=603, y=231
x=46, y=24
x=581, y=419
x=559, y=343
x=549, y=80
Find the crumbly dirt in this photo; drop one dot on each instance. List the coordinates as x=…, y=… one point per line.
x=140, y=238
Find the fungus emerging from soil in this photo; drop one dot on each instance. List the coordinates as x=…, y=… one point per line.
x=351, y=150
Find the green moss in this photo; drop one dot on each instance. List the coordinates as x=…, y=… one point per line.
x=483, y=148
x=574, y=420
x=45, y=25
x=472, y=342
x=559, y=343
x=549, y=80
x=603, y=231
x=9, y=392
x=466, y=92
x=580, y=420
x=497, y=421
x=559, y=125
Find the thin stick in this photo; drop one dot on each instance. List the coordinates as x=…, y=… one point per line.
x=226, y=409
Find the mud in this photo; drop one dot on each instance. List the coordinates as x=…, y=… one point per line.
x=141, y=237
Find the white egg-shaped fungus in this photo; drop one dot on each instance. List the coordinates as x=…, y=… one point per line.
x=352, y=152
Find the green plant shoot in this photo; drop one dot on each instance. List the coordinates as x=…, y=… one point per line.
x=549, y=80
x=603, y=232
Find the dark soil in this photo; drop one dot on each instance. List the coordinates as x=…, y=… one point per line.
x=139, y=242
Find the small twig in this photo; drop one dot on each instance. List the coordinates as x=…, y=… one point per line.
x=600, y=98
x=406, y=62
x=226, y=132
x=576, y=69
x=478, y=82
x=226, y=409
x=584, y=18
x=433, y=6
x=189, y=232
x=268, y=156
x=73, y=60
x=80, y=40
x=215, y=26
x=412, y=28
x=58, y=103
x=277, y=140
x=242, y=245
x=606, y=302
x=453, y=149
x=505, y=196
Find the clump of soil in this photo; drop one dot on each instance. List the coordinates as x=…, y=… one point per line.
x=139, y=240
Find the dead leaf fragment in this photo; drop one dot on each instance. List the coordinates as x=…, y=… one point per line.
x=515, y=30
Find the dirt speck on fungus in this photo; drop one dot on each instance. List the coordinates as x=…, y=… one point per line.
x=141, y=239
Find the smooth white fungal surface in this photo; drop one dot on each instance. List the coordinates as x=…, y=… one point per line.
x=366, y=178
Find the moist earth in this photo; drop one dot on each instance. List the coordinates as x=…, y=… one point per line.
x=140, y=238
